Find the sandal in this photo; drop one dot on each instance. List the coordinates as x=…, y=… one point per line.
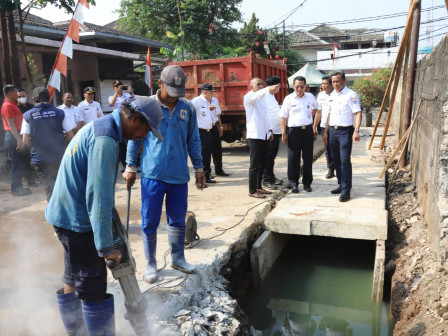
x=257, y=195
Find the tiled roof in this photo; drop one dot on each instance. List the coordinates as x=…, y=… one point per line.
x=302, y=37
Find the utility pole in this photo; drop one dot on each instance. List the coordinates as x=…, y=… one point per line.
x=284, y=40
x=15, y=67
x=411, y=75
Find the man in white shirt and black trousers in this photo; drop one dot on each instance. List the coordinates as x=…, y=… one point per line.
x=205, y=117
x=323, y=99
x=345, y=110
x=270, y=181
x=258, y=133
x=297, y=114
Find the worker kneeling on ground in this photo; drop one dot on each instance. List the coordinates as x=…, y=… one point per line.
x=81, y=211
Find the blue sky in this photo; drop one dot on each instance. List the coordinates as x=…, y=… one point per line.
x=272, y=13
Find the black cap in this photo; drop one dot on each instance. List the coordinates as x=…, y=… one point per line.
x=117, y=83
x=89, y=89
x=174, y=78
x=273, y=80
x=150, y=110
x=207, y=86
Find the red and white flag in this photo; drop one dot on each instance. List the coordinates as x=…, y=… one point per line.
x=148, y=71
x=66, y=49
x=335, y=53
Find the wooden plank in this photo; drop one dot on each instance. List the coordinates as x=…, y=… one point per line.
x=378, y=271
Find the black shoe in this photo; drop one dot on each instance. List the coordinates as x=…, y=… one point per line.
x=345, y=196
x=209, y=180
x=290, y=184
x=295, y=189
x=269, y=185
x=307, y=188
x=338, y=190
x=277, y=181
x=21, y=192
x=330, y=174
x=222, y=173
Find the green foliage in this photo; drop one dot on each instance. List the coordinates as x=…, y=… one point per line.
x=207, y=25
x=371, y=89
x=295, y=61
x=37, y=79
x=67, y=5
x=264, y=44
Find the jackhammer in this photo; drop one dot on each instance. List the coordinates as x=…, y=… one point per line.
x=125, y=274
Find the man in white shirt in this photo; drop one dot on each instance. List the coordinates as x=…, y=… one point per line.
x=323, y=99
x=120, y=96
x=205, y=116
x=90, y=108
x=275, y=124
x=345, y=109
x=258, y=133
x=297, y=114
x=74, y=120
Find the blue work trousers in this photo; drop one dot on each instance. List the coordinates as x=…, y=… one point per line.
x=330, y=164
x=17, y=161
x=176, y=203
x=341, y=149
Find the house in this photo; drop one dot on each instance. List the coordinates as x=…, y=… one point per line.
x=102, y=56
x=355, y=51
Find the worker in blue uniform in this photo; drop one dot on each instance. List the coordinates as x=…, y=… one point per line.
x=80, y=210
x=165, y=172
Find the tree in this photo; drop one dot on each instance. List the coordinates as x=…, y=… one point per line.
x=207, y=29
x=295, y=61
x=371, y=89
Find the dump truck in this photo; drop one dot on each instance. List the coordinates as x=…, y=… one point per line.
x=230, y=77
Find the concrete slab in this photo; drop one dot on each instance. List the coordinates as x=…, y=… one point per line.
x=320, y=213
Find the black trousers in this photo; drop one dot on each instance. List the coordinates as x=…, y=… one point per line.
x=258, y=150
x=216, y=149
x=206, y=150
x=270, y=158
x=328, y=156
x=47, y=173
x=300, y=146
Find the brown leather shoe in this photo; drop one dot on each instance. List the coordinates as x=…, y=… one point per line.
x=265, y=192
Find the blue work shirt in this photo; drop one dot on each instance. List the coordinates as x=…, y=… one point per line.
x=167, y=160
x=84, y=192
x=46, y=132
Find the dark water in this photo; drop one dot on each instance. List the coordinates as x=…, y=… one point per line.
x=320, y=286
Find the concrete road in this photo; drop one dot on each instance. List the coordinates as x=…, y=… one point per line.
x=31, y=258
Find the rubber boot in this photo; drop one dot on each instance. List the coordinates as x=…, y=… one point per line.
x=99, y=316
x=149, y=245
x=176, y=239
x=71, y=313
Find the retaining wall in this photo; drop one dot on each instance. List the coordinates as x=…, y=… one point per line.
x=429, y=142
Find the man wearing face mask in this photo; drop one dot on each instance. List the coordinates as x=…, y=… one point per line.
x=23, y=101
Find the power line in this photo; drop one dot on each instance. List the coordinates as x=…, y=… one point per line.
x=288, y=14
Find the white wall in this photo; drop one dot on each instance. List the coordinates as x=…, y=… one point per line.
x=357, y=59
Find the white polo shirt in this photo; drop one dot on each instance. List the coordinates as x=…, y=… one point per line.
x=203, y=113
x=90, y=112
x=343, y=105
x=323, y=99
x=120, y=100
x=72, y=116
x=273, y=110
x=299, y=110
x=257, y=124
x=217, y=111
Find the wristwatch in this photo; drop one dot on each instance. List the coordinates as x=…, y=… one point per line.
x=357, y=130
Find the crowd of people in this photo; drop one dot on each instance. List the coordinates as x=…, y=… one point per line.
x=76, y=151
x=336, y=113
